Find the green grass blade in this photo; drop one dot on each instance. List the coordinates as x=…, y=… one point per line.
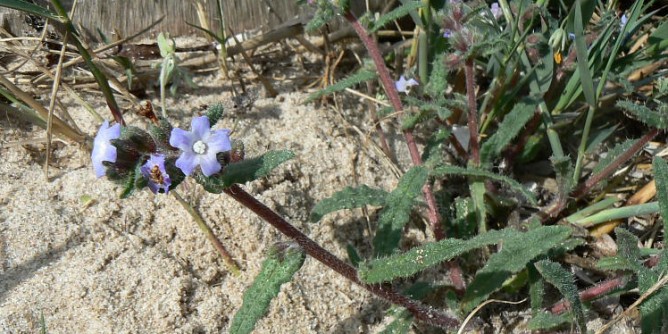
x=425, y=256
x=349, y=198
x=619, y=213
x=518, y=250
x=31, y=8
x=278, y=268
x=514, y=185
x=563, y=280
x=397, y=212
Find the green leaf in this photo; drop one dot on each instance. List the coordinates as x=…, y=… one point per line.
x=361, y=76
x=456, y=170
x=349, y=198
x=657, y=119
x=397, y=211
x=613, y=154
x=244, y=171
x=402, y=318
x=509, y=128
x=395, y=14
x=31, y=8
x=518, y=250
x=425, y=256
x=278, y=268
x=653, y=312
x=546, y=320
x=563, y=280
x=661, y=177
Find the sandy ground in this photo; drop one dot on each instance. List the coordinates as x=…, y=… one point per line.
x=141, y=265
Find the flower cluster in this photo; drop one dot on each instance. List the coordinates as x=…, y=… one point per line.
x=159, y=160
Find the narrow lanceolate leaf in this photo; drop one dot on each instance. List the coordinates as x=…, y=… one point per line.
x=397, y=210
x=517, y=252
x=395, y=14
x=509, y=128
x=359, y=77
x=583, y=57
x=655, y=118
x=279, y=267
x=562, y=279
x=612, y=155
x=28, y=7
x=244, y=171
x=514, y=185
x=425, y=256
x=661, y=177
x=349, y=198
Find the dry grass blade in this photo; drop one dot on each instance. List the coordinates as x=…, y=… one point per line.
x=52, y=103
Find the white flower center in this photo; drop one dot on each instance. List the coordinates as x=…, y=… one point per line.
x=199, y=147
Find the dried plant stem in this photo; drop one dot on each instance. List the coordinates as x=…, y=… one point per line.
x=227, y=258
x=420, y=311
x=52, y=103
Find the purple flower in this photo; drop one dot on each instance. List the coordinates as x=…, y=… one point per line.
x=154, y=171
x=200, y=146
x=496, y=11
x=103, y=150
x=571, y=36
x=447, y=33
x=403, y=85
x=623, y=20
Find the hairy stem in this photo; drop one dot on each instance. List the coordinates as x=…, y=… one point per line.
x=393, y=95
x=472, y=112
x=420, y=311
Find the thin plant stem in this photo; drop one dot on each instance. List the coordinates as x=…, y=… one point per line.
x=420, y=311
x=583, y=144
x=619, y=213
x=474, y=145
x=393, y=95
x=227, y=258
x=592, y=293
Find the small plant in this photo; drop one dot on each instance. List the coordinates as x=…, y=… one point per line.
x=496, y=87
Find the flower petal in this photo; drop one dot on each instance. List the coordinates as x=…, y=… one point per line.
x=103, y=150
x=219, y=141
x=187, y=162
x=182, y=140
x=209, y=164
x=200, y=127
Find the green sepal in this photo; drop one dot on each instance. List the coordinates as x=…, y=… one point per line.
x=214, y=113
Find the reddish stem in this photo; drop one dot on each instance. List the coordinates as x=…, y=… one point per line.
x=420, y=311
x=472, y=112
x=592, y=293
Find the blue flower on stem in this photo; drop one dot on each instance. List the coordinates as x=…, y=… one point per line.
x=103, y=150
x=623, y=20
x=200, y=146
x=154, y=171
x=447, y=33
x=404, y=85
x=496, y=10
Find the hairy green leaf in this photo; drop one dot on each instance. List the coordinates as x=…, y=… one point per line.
x=278, y=268
x=518, y=250
x=456, y=170
x=397, y=210
x=349, y=198
x=613, y=154
x=657, y=119
x=361, y=76
x=402, y=318
x=562, y=279
x=425, y=256
x=244, y=171
x=509, y=128
x=546, y=320
x=661, y=177
x=395, y=14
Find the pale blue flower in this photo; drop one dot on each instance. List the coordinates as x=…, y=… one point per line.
x=154, y=171
x=447, y=33
x=404, y=85
x=103, y=150
x=200, y=146
x=496, y=10
x=623, y=20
